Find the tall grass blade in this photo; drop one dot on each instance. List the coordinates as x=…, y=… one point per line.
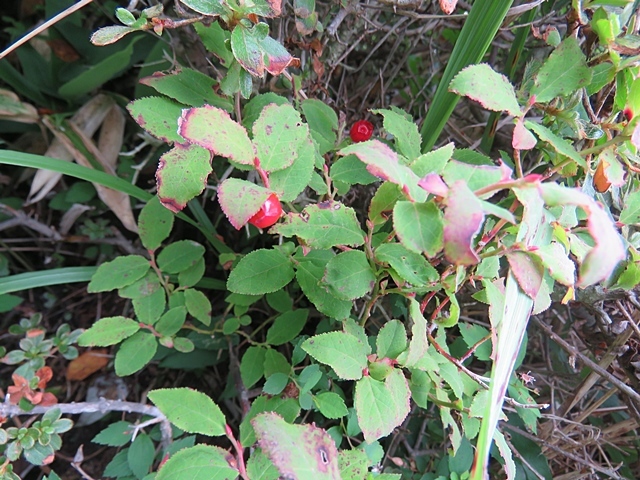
x=478, y=32
x=21, y=159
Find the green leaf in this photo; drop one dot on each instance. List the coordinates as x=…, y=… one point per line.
x=140, y=455
x=192, y=275
x=287, y=326
x=118, y=273
x=391, y=340
x=190, y=410
x=331, y=405
x=381, y=407
x=198, y=305
x=252, y=365
x=555, y=259
x=172, y=321
x=434, y=161
x=351, y=170
x=630, y=214
x=262, y=271
x=291, y=182
x=180, y=256
x=411, y=266
x=383, y=202
x=309, y=273
x=277, y=135
x=275, y=362
x=201, y=462
x=275, y=383
x=108, y=331
x=297, y=451
x=405, y=133
x=158, y=116
x=150, y=304
x=216, y=40
x=110, y=34
x=240, y=200
x=323, y=123
x=154, y=224
x=344, y=353
x=213, y=129
x=188, y=87
x=475, y=176
x=117, y=434
x=349, y=275
x=484, y=85
x=564, y=72
x=463, y=219
x=354, y=464
x=253, y=108
x=419, y=344
x=323, y=225
x=384, y=163
x=182, y=175
x=419, y=226
x=206, y=7
x=559, y=144
x=259, y=467
x=135, y=352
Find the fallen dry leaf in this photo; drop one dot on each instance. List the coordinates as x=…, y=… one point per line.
x=87, y=364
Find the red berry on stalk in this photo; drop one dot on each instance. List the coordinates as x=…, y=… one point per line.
x=361, y=131
x=268, y=214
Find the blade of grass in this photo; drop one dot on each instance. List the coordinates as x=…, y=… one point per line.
x=510, y=323
x=478, y=32
x=45, y=278
x=21, y=159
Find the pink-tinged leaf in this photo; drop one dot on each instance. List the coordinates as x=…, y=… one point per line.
x=489, y=88
x=448, y=6
x=297, y=451
x=257, y=52
x=635, y=136
x=613, y=169
x=277, y=57
x=522, y=139
x=434, y=184
x=240, y=200
x=463, y=219
x=158, y=116
x=609, y=249
x=213, y=129
x=278, y=134
x=182, y=175
x=383, y=162
x=528, y=271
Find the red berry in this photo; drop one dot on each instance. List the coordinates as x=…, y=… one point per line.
x=628, y=113
x=361, y=131
x=268, y=214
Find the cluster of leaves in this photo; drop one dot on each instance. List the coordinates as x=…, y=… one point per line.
x=439, y=222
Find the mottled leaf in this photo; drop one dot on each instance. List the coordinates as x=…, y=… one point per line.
x=484, y=85
x=299, y=452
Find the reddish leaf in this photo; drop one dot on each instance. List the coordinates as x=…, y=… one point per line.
x=448, y=6
x=522, y=139
x=434, y=184
x=528, y=272
x=463, y=219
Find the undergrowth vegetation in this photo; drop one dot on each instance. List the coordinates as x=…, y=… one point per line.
x=320, y=240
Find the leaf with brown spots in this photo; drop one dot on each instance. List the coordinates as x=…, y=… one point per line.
x=299, y=452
